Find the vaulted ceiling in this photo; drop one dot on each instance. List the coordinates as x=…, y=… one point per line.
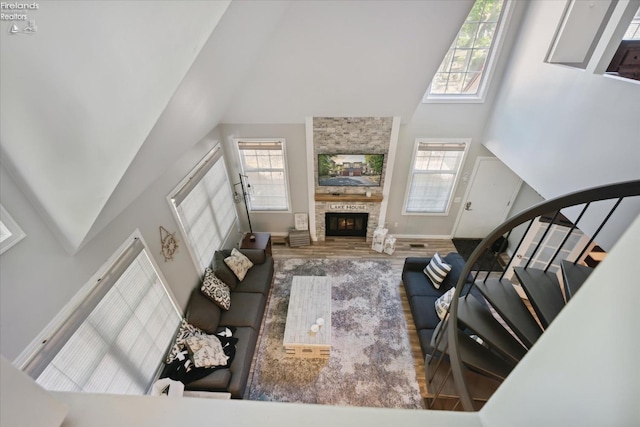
x=100, y=101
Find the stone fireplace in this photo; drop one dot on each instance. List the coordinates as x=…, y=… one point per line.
x=345, y=135
x=346, y=224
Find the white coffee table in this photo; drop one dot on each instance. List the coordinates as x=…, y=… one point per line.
x=309, y=301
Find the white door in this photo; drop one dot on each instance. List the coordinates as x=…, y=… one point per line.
x=486, y=205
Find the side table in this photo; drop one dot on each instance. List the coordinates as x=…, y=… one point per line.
x=262, y=241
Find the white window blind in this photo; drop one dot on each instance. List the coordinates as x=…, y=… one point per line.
x=117, y=338
x=264, y=165
x=205, y=209
x=433, y=176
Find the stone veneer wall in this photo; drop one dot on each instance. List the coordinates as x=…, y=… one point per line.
x=344, y=135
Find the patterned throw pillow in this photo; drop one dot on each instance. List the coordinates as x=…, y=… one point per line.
x=206, y=351
x=442, y=303
x=238, y=263
x=437, y=270
x=216, y=290
x=185, y=331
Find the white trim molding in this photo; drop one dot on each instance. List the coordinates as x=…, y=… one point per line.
x=11, y=231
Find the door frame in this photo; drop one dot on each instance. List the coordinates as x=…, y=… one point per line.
x=467, y=192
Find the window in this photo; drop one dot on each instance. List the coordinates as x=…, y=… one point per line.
x=579, y=31
x=263, y=162
x=204, y=207
x=625, y=61
x=633, y=32
x=116, y=339
x=10, y=231
x=464, y=68
x=433, y=176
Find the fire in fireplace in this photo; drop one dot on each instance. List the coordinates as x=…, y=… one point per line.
x=346, y=224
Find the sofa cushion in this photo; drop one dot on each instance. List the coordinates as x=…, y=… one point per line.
x=217, y=380
x=241, y=365
x=258, y=278
x=202, y=312
x=425, y=336
x=437, y=270
x=247, y=310
x=416, y=283
x=238, y=263
x=456, y=262
x=216, y=290
x=222, y=270
x=423, y=311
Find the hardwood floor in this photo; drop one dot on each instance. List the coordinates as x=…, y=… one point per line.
x=357, y=248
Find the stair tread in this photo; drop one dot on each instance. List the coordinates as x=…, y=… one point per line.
x=477, y=316
x=477, y=357
x=543, y=290
x=506, y=301
x=574, y=276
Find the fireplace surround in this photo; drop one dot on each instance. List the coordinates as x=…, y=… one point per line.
x=342, y=224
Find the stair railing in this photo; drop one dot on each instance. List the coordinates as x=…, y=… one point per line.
x=449, y=325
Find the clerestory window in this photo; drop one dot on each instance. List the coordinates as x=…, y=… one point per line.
x=464, y=71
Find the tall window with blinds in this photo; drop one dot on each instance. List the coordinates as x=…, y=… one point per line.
x=203, y=204
x=115, y=340
x=433, y=176
x=263, y=162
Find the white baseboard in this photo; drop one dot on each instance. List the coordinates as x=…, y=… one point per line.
x=423, y=236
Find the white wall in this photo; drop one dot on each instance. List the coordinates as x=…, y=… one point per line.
x=526, y=198
x=583, y=371
x=561, y=128
x=38, y=277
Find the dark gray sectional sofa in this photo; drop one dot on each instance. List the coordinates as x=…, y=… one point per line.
x=422, y=295
x=248, y=302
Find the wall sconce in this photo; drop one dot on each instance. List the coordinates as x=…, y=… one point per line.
x=245, y=188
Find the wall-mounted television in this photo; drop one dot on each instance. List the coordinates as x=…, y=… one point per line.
x=355, y=170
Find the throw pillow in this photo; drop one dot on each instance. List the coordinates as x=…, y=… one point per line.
x=222, y=271
x=437, y=270
x=216, y=290
x=442, y=303
x=185, y=331
x=206, y=351
x=238, y=263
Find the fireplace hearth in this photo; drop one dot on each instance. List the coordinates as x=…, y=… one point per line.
x=338, y=224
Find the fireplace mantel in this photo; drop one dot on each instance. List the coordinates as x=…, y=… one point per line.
x=327, y=197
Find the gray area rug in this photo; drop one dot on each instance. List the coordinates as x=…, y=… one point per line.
x=371, y=364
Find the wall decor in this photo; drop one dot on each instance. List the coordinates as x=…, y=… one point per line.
x=169, y=244
x=301, y=221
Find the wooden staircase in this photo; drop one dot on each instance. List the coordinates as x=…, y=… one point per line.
x=487, y=333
